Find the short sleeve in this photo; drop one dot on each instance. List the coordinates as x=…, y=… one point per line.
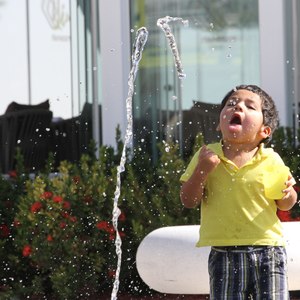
x=190, y=168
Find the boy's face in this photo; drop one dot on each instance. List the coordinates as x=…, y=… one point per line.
x=241, y=119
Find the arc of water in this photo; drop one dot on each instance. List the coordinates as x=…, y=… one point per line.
x=138, y=47
x=163, y=23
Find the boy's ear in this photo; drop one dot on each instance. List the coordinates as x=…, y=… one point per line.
x=266, y=131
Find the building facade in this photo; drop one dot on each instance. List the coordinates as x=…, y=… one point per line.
x=78, y=52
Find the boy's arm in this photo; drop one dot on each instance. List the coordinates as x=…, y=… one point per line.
x=290, y=198
x=192, y=190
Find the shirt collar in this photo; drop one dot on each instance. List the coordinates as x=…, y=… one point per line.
x=260, y=154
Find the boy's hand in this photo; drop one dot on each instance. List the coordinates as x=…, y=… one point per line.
x=192, y=191
x=208, y=160
x=289, y=187
x=290, y=198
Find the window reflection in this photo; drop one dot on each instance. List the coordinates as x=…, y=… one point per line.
x=219, y=49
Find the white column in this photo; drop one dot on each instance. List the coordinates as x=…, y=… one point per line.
x=272, y=53
x=114, y=23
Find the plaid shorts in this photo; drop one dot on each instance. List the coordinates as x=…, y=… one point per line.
x=245, y=272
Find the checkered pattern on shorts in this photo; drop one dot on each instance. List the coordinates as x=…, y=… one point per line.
x=246, y=272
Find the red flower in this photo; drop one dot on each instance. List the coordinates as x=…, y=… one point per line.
x=62, y=225
x=65, y=215
x=122, y=217
x=36, y=207
x=46, y=195
x=73, y=219
x=49, y=238
x=26, y=250
x=12, y=174
x=4, y=231
x=103, y=225
x=285, y=216
x=110, y=229
x=112, y=235
x=66, y=205
x=57, y=199
x=297, y=188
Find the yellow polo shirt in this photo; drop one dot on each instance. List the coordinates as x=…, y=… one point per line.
x=235, y=210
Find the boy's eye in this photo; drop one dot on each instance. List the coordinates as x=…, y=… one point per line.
x=252, y=106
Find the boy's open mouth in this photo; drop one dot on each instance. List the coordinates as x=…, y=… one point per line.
x=235, y=120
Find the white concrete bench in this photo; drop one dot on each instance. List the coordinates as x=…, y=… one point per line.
x=168, y=261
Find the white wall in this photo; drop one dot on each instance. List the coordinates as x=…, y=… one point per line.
x=50, y=67
x=50, y=54
x=115, y=63
x=13, y=53
x=273, y=62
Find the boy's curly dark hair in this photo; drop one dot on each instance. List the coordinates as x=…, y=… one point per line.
x=269, y=111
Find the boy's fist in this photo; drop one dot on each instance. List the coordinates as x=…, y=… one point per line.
x=208, y=160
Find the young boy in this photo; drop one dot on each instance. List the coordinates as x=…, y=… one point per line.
x=238, y=220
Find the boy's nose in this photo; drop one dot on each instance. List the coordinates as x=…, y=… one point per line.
x=238, y=107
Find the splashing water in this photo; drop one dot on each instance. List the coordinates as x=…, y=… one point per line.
x=163, y=24
x=139, y=43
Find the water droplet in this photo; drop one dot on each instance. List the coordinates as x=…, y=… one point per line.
x=185, y=23
x=163, y=24
x=141, y=38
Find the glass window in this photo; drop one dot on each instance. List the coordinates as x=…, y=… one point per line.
x=219, y=49
x=13, y=58
x=292, y=46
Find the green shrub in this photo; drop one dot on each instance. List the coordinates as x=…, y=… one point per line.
x=56, y=234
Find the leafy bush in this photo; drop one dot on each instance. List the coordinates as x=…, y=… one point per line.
x=56, y=234
x=286, y=143
x=62, y=242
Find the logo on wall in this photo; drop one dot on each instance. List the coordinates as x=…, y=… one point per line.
x=55, y=13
